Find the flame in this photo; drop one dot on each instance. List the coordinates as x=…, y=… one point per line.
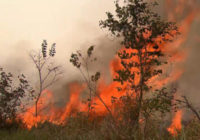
x=176, y=123
x=179, y=56
x=48, y=111
x=74, y=104
x=29, y=118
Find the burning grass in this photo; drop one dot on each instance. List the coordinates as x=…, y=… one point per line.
x=75, y=121
x=80, y=127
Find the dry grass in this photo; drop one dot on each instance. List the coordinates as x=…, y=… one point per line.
x=80, y=128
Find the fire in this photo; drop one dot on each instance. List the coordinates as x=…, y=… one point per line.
x=48, y=112
x=186, y=23
x=74, y=105
x=176, y=123
x=29, y=118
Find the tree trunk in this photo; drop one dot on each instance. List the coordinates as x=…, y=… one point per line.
x=36, y=112
x=140, y=94
x=38, y=98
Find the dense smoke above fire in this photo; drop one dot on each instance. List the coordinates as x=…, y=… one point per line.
x=187, y=11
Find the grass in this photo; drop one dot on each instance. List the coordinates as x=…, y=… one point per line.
x=80, y=128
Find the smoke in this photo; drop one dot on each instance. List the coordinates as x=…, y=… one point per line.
x=105, y=50
x=189, y=82
x=77, y=30
x=180, y=11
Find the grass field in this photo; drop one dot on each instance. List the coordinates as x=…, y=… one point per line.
x=80, y=128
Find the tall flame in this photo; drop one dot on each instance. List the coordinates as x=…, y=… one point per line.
x=176, y=123
x=48, y=112
x=173, y=10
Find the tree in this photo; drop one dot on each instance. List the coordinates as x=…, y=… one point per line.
x=12, y=92
x=48, y=73
x=185, y=103
x=143, y=33
x=82, y=63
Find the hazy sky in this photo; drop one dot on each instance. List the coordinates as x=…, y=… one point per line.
x=69, y=23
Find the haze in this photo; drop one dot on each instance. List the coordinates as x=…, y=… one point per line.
x=68, y=23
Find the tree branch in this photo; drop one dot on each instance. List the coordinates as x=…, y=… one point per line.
x=189, y=105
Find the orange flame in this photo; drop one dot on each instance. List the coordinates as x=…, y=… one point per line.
x=176, y=123
x=186, y=23
x=48, y=112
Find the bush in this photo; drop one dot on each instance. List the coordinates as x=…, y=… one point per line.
x=11, y=93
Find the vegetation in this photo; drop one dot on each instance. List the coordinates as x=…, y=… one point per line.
x=82, y=63
x=137, y=115
x=185, y=103
x=80, y=128
x=139, y=29
x=12, y=92
x=48, y=73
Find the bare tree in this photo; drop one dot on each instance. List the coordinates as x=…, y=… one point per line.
x=48, y=72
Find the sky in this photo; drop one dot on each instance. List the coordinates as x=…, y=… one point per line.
x=68, y=23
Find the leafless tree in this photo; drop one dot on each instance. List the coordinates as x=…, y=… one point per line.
x=48, y=72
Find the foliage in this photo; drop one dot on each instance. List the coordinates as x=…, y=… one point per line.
x=12, y=91
x=142, y=32
x=82, y=63
x=161, y=101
